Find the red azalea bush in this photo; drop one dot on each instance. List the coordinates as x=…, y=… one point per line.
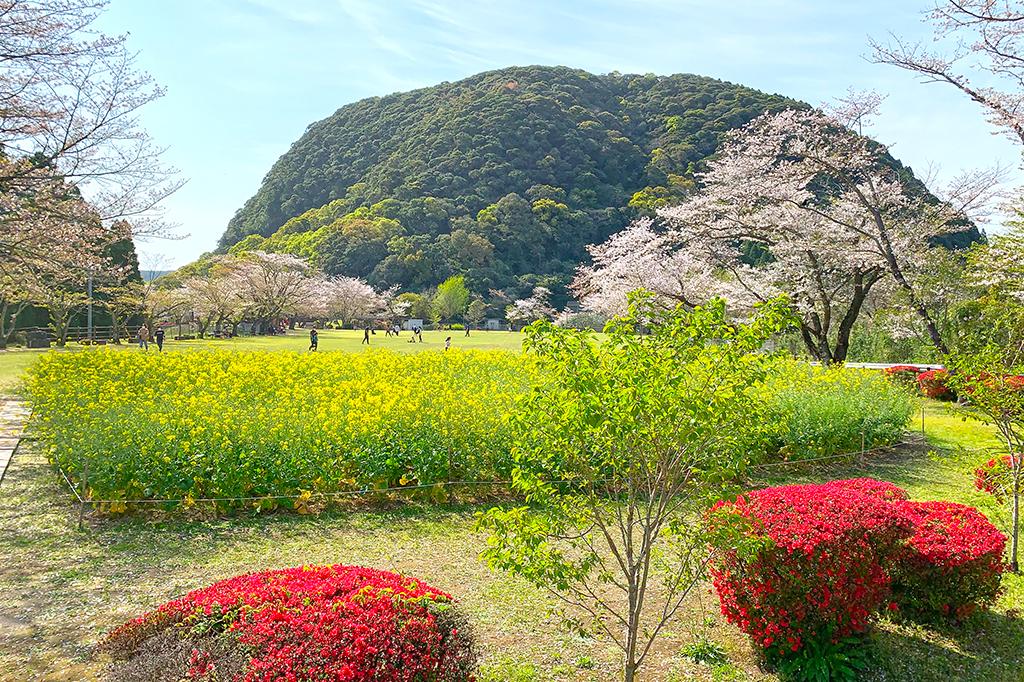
x=905, y=375
x=953, y=563
x=883, y=490
x=309, y=623
x=817, y=566
x=805, y=567
x=933, y=384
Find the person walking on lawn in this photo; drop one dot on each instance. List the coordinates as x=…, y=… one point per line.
x=144, y=337
x=159, y=336
x=314, y=339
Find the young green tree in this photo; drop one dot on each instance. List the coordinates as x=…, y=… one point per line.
x=451, y=299
x=994, y=393
x=476, y=312
x=418, y=305
x=619, y=452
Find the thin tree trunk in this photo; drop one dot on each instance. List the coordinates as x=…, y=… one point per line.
x=897, y=273
x=1015, y=522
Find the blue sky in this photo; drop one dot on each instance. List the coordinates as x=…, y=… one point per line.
x=245, y=77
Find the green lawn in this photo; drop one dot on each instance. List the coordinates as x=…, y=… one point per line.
x=61, y=588
x=14, y=362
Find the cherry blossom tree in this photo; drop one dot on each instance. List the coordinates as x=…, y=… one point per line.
x=393, y=308
x=350, y=299
x=796, y=202
x=996, y=271
x=270, y=285
x=69, y=130
x=536, y=307
x=14, y=298
x=60, y=295
x=980, y=37
x=1000, y=263
x=212, y=297
x=642, y=257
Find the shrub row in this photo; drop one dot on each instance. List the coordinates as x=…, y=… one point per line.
x=818, y=562
x=309, y=623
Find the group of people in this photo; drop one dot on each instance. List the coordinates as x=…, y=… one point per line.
x=143, y=338
x=314, y=337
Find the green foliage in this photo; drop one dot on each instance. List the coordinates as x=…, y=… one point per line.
x=451, y=299
x=642, y=426
x=815, y=412
x=705, y=651
x=822, y=660
x=419, y=306
x=499, y=176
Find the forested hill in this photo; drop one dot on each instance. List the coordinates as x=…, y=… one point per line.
x=505, y=176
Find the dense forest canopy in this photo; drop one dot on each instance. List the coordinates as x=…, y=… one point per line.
x=504, y=177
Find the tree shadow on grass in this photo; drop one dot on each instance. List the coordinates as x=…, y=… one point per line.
x=988, y=647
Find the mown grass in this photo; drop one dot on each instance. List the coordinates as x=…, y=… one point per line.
x=61, y=588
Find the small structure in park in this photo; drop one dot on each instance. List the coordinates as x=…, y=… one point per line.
x=414, y=323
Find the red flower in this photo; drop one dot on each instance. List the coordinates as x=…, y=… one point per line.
x=901, y=369
x=317, y=622
x=821, y=564
x=825, y=558
x=933, y=384
x=954, y=561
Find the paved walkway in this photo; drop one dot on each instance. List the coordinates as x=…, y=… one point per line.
x=13, y=415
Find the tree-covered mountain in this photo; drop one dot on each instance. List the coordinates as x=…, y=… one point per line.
x=505, y=176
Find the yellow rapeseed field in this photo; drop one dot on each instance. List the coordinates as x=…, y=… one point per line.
x=228, y=424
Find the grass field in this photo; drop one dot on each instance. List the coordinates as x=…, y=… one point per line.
x=14, y=362
x=61, y=588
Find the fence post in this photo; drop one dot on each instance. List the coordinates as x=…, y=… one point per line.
x=85, y=488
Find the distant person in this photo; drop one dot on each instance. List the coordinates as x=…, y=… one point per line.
x=159, y=336
x=419, y=334
x=448, y=343
x=467, y=330
x=144, y=337
x=366, y=336
x=314, y=339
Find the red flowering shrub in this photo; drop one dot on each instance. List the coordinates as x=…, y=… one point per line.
x=994, y=476
x=933, y=384
x=869, y=486
x=900, y=369
x=308, y=623
x=817, y=566
x=905, y=375
x=953, y=562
